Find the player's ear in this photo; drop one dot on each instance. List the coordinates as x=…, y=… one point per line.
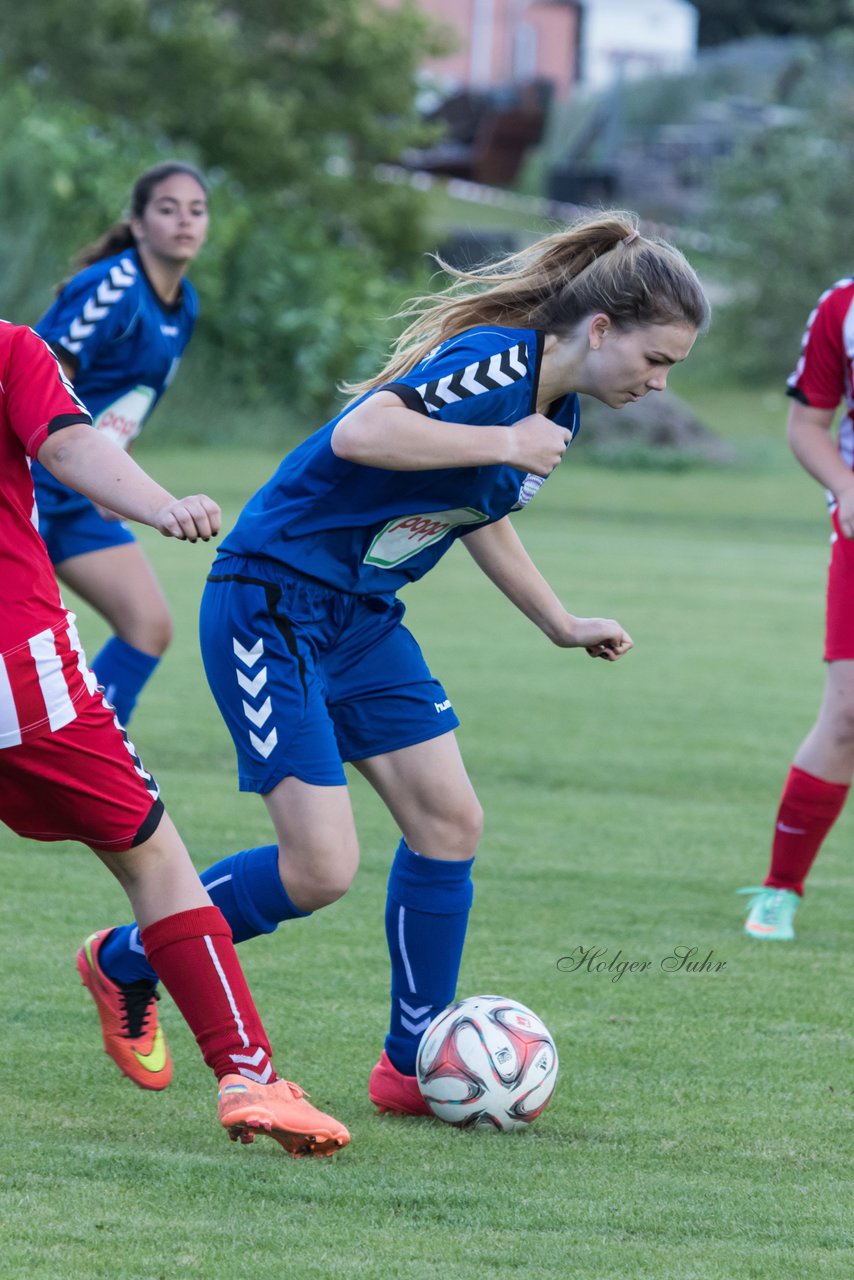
x=598, y=327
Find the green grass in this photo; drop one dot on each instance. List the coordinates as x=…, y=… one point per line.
x=701, y=1125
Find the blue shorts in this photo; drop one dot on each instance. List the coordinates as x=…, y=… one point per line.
x=80, y=530
x=306, y=676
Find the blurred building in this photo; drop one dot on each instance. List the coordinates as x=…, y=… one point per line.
x=629, y=38
x=509, y=61
x=497, y=43
x=563, y=43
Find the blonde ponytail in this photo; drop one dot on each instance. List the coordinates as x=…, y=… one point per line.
x=597, y=264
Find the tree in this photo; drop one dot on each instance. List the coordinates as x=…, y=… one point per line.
x=722, y=20
x=783, y=217
x=291, y=106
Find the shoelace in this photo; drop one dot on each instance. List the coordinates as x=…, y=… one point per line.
x=296, y=1090
x=774, y=905
x=137, y=1005
x=773, y=900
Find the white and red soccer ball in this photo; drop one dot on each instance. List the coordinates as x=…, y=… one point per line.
x=487, y=1061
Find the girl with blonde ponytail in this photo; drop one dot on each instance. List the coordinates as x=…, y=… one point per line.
x=552, y=285
x=301, y=628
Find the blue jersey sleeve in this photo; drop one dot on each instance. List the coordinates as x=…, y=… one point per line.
x=484, y=377
x=94, y=310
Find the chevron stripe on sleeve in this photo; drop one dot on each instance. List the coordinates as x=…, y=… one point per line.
x=99, y=304
x=498, y=370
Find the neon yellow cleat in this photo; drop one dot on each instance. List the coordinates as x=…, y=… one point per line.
x=131, y=1029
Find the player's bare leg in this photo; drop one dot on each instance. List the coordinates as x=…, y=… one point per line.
x=121, y=585
x=316, y=835
x=189, y=944
x=813, y=796
x=828, y=749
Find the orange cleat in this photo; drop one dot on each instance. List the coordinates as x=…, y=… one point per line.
x=390, y=1090
x=280, y=1110
x=133, y=1037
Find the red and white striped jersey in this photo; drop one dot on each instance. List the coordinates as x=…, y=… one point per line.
x=824, y=374
x=42, y=671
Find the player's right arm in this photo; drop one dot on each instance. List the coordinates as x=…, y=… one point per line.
x=383, y=432
x=816, y=386
x=498, y=551
x=815, y=449
x=87, y=461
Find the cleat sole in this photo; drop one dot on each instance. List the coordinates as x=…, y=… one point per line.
x=296, y=1144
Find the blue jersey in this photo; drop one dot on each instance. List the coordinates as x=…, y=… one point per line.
x=125, y=344
x=367, y=530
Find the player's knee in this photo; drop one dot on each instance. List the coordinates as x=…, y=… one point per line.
x=158, y=633
x=470, y=820
x=456, y=830
x=321, y=877
x=149, y=629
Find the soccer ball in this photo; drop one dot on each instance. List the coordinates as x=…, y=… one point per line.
x=487, y=1061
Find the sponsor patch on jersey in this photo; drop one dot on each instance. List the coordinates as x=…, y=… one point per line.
x=405, y=536
x=122, y=420
x=530, y=486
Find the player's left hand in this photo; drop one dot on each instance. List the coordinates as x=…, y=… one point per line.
x=197, y=516
x=601, y=637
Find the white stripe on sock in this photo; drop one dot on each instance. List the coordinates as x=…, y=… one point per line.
x=214, y=884
x=238, y=1021
x=401, y=942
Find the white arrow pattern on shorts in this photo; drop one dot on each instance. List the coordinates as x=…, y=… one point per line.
x=261, y=715
x=264, y=748
x=255, y=715
x=248, y=656
x=252, y=687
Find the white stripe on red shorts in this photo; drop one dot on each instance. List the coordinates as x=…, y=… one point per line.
x=41, y=681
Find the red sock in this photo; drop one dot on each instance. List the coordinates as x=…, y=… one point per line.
x=194, y=956
x=808, y=809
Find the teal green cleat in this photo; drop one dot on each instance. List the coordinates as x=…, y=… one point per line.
x=771, y=912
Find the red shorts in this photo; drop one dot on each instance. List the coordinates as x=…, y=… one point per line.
x=839, y=627
x=85, y=782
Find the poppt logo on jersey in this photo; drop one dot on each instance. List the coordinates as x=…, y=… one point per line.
x=405, y=536
x=122, y=421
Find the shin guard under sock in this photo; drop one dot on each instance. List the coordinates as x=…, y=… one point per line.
x=193, y=953
x=808, y=809
x=248, y=891
x=426, y=917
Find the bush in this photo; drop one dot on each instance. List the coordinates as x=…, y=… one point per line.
x=289, y=108
x=782, y=213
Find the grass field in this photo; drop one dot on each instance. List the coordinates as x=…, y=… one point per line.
x=701, y=1128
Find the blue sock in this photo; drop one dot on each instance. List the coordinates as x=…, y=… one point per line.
x=426, y=916
x=123, y=671
x=246, y=888
x=249, y=892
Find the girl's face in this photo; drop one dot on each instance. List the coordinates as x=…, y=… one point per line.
x=624, y=365
x=174, y=223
